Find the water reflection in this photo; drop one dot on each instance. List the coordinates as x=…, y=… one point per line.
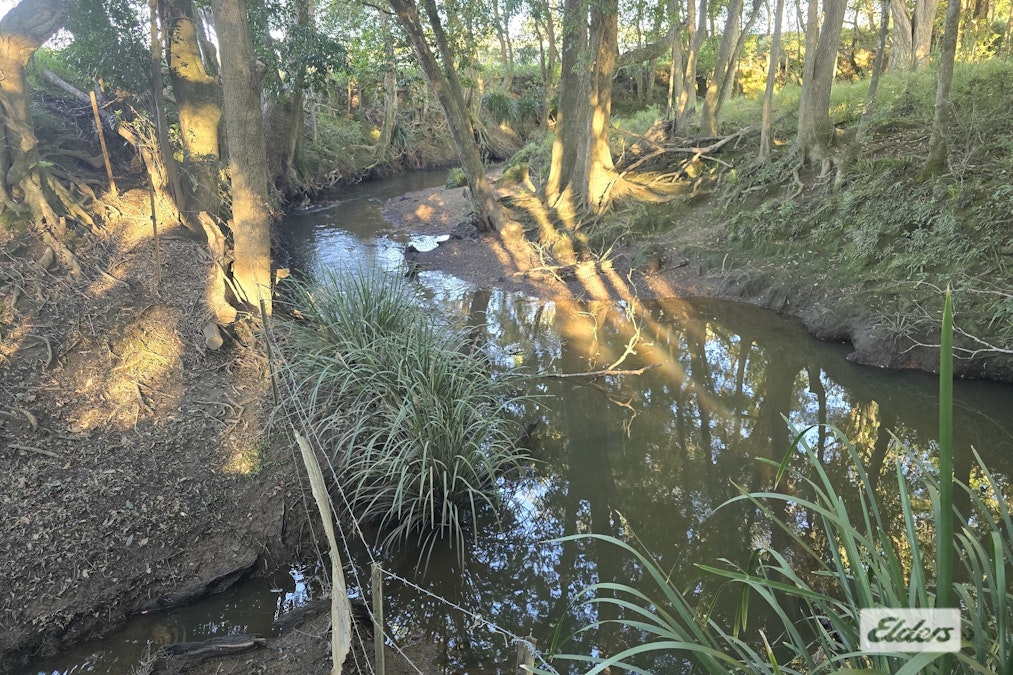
x=251, y=607
x=651, y=456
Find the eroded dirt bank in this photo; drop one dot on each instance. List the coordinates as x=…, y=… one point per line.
x=660, y=268
x=132, y=476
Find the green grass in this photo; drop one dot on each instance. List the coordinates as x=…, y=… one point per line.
x=816, y=588
x=417, y=428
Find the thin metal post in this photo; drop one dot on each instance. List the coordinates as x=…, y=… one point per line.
x=154, y=232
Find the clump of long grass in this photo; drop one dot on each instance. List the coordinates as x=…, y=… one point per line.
x=417, y=428
x=816, y=592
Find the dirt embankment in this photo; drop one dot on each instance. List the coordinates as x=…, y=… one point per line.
x=132, y=477
x=659, y=268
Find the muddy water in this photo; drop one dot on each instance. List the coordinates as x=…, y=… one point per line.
x=646, y=457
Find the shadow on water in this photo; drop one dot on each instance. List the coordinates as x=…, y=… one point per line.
x=645, y=457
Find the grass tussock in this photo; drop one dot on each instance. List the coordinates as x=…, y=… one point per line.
x=848, y=556
x=417, y=428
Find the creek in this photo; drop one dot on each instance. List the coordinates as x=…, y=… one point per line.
x=649, y=456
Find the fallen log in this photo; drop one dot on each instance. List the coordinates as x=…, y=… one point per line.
x=189, y=654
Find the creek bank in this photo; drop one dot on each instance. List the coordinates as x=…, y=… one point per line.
x=134, y=474
x=689, y=259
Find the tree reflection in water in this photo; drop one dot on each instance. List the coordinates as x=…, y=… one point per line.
x=651, y=456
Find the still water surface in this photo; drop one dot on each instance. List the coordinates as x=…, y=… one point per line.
x=648, y=457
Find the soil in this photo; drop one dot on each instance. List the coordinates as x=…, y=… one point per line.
x=135, y=472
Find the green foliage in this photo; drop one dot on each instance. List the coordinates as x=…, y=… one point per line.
x=110, y=43
x=418, y=430
x=57, y=62
x=304, y=58
x=456, y=178
x=501, y=106
x=847, y=558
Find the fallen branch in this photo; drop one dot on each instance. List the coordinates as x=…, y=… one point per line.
x=599, y=373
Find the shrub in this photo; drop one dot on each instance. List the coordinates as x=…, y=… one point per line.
x=417, y=430
x=456, y=178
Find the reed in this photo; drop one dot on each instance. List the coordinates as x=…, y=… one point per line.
x=417, y=428
x=815, y=593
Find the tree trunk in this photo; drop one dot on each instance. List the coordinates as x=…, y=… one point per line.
x=901, y=47
x=676, y=74
x=812, y=37
x=251, y=219
x=604, y=40
x=199, y=102
x=697, y=24
x=383, y=149
x=877, y=70
x=506, y=49
x=451, y=97
x=22, y=31
x=814, y=125
x=924, y=18
x=768, y=92
x=912, y=33
x=723, y=63
x=943, y=116
x=569, y=143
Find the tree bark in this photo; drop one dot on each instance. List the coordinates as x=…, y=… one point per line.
x=451, y=97
x=567, y=163
x=943, y=115
x=22, y=31
x=723, y=63
x=877, y=70
x=389, y=93
x=604, y=35
x=768, y=92
x=814, y=124
x=912, y=33
x=676, y=73
x=251, y=219
x=199, y=102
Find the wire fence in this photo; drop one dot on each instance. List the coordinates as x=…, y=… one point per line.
x=301, y=422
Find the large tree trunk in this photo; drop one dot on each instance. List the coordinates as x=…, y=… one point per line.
x=451, y=97
x=251, y=214
x=604, y=34
x=199, y=102
x=815, y=129
x=568, y=157
x=943, y=116
x=696, y=22
x=22, y=31
x=912, y=33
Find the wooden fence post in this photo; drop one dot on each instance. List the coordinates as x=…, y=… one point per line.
x=102, y=143
x=376, y=583
x=526, y=655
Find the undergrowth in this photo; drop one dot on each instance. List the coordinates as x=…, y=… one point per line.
x=417, y=429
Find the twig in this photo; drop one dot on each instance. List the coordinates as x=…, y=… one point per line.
x=29, y=448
